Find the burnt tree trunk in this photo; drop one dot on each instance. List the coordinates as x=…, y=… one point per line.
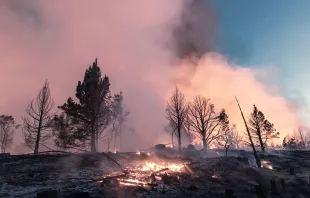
x=204, y=142
x=258, y=163
x=36, y=148
x=262, y=146
x=179, y=139
x=93, y=139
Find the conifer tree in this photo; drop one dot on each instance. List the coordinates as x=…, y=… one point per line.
x=261, y=129
x=92, y=113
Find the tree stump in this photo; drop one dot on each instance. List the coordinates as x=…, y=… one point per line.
x=292, y=171
x=49, y=194
x=274, y=188
x=282, y=181
x=259, y=192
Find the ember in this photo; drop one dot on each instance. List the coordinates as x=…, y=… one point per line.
x=151, y=166
x=214, y=176
x=266, y=164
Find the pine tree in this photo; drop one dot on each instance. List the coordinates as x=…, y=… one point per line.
x=261, y=129
x=91, y=114
x=62, y=132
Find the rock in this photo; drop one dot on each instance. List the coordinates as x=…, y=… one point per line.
x=79, y=195
x=160, y=146
x=49, y=194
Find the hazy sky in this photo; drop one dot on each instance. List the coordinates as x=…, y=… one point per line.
x=270, y=33
x=137, y=47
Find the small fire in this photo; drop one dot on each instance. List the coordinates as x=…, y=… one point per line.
x=138, y=153
x=132, y=182
x=151, y=166
x=215, y=176
x=149, y=172
x=266, y=164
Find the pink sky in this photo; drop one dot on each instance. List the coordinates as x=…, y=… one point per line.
x=57, y=40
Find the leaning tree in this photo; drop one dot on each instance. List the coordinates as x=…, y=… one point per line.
x=261, y=129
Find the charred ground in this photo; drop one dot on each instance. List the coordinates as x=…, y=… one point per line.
x=286, y=174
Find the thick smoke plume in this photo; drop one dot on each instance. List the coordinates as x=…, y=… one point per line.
x=194, y=33
x=143, y=46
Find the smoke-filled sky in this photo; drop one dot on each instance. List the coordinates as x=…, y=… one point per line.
x=144, y=47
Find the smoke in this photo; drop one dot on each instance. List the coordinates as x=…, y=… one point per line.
x=194, y=33
x=143, y=46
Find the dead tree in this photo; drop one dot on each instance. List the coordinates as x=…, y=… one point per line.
x=204, y=121
x=261, y=129
x=229, y=137
x=38, y=118
x=176, y=111
x=119, y=117
x=258, y=163
x=304, y=139
x=7, y=128
x=297, y=141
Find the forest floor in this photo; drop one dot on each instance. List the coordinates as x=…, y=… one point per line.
x=159, y=173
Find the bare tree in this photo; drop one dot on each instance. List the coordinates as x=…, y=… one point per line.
x=303, y=138
x=204, y=121
x=229, y=138
x=261, y=129
x=258, y=163
x=38, y=118
x=176, y=111
x=298, y=141
x=7, y=128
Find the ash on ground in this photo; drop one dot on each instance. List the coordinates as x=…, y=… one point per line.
x=189, y=174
